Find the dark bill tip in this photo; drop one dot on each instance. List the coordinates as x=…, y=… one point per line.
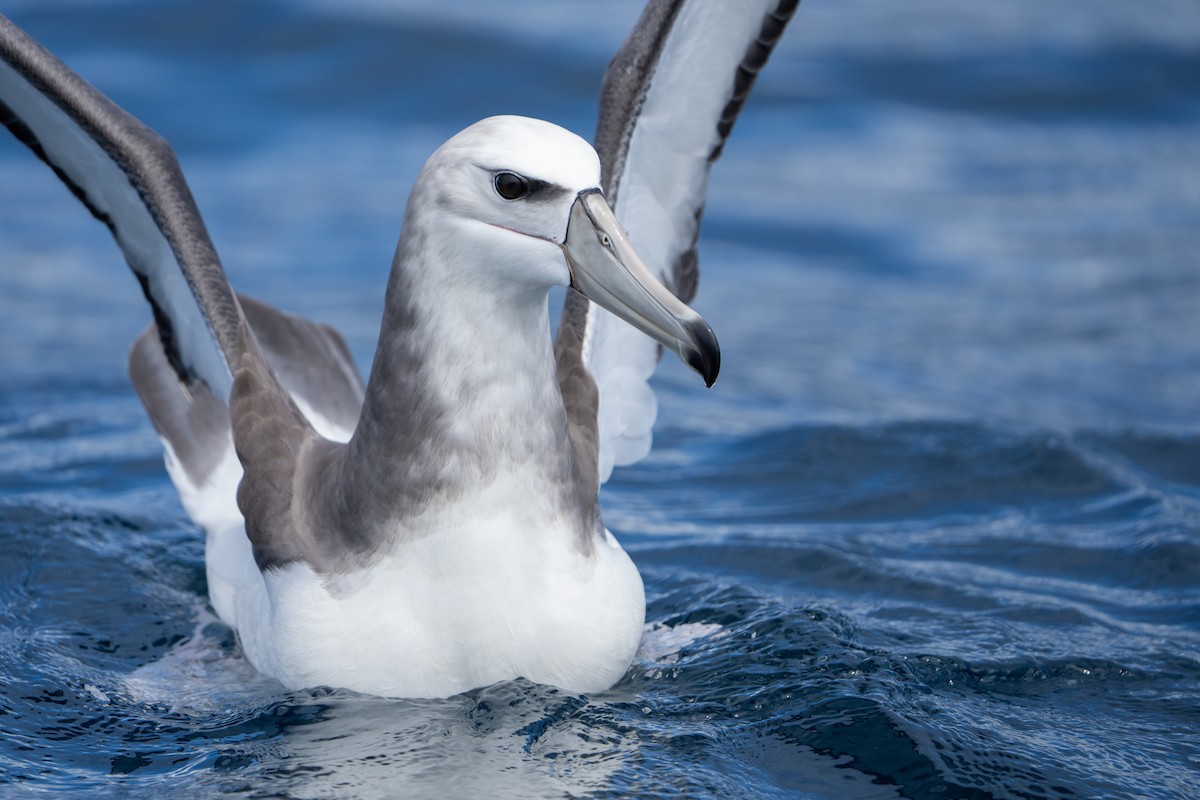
x=704, y=356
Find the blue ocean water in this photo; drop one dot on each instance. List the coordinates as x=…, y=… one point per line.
x=935, y=533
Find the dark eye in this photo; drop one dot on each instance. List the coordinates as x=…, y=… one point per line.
x=510, y=185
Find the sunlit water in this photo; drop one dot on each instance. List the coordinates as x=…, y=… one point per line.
x=935, y=533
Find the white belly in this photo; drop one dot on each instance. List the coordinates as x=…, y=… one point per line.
x=452, y=612
x=482, y=595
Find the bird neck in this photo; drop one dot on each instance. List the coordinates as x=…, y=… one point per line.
x=463, y=394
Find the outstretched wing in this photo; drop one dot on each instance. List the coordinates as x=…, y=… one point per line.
x=129, y=179
x=669, y=100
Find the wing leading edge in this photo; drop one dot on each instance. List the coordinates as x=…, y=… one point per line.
x=127, y=176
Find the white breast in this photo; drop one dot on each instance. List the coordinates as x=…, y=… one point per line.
x=467, y=604
x=463, y=605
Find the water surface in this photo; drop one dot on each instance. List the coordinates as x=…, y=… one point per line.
x=935, y=533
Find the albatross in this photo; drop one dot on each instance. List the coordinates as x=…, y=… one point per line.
x=437, y=528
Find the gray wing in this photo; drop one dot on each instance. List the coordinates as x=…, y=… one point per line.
x=668, y=103
x=129, y=179
x=185, y=366
x=310, y=360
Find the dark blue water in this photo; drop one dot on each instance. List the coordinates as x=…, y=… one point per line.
x=935, y=533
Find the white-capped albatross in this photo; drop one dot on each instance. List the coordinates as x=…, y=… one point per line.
x=437, y=529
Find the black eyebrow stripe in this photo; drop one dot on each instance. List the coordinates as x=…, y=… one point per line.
x=544, y=188
x=537, y=187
